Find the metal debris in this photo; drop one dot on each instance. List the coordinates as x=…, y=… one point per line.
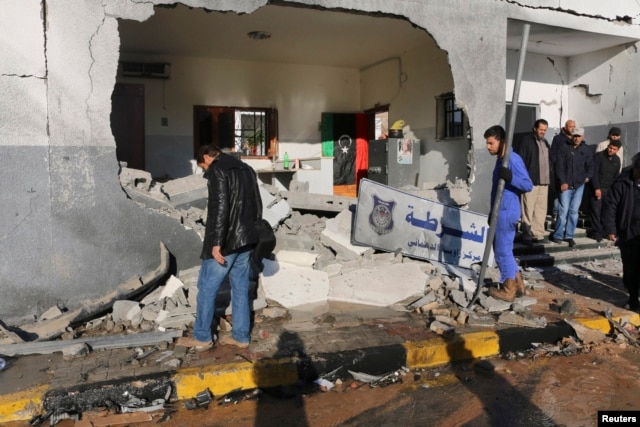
x=202, y=400
x=238, y=395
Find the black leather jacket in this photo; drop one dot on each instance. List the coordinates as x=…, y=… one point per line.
x=233, y=206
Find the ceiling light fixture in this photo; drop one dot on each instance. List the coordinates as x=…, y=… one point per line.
x=259, y=35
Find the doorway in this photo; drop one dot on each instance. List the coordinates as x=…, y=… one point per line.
x=127, y=124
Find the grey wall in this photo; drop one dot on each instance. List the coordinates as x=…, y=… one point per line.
x=68, y=232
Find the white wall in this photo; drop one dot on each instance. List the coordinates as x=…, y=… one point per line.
x=543, y=83
x=299, y=92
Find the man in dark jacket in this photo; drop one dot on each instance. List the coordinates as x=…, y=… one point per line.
x=621, y=218
x=573, y=167
x=534, y=150
x=230, y=235
x=606, y=168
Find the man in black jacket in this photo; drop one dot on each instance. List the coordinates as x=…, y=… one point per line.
x=573, y=167
x=606, y=168
x=621, y=218
x=230, y=235
x=534, y=150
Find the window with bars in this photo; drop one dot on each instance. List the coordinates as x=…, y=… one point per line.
x=451, y=121
x=247, y=131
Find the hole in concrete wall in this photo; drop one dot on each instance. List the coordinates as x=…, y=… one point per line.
x=182, y=57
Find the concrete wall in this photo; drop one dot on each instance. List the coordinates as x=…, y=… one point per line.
x=67, y=231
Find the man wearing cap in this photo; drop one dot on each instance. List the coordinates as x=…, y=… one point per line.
x=573, y=167
x=615, y=134
x=621, y=219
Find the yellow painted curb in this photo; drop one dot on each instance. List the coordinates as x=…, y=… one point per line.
x=22, y=405
x=602, y=324
x=221, y=379
x=423, y=354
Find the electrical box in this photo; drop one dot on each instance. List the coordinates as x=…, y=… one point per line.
x=394, y=161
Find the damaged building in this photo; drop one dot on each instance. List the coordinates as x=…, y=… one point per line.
x=89, y=87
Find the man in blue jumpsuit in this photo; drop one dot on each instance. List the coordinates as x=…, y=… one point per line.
x=517, y=181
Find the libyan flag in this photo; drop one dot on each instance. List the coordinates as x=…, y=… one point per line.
x=344, y=136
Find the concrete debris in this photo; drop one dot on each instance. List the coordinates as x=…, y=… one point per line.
x=52, y=313
x=441, y=329
x=585, y=334
x=511, y=318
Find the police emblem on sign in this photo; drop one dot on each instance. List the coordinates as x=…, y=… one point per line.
x=380, y=218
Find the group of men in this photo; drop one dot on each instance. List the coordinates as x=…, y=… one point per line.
x=563, y=171
x=560, y=172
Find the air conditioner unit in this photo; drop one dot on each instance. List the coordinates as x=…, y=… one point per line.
x=156, y=70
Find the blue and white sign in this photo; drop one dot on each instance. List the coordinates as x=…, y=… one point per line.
x=389, y=219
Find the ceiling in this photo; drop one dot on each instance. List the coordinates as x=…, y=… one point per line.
x=316, y=37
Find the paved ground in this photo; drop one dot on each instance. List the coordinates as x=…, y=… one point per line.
x=312, y=341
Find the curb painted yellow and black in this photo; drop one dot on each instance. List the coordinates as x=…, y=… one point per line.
x=223, y=378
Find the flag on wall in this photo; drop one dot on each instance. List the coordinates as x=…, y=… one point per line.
x=344, y=136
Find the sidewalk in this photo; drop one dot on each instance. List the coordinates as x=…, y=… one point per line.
x=314, y=341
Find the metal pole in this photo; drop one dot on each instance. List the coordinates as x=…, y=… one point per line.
x=505, y=163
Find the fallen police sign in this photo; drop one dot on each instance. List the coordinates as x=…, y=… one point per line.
x=389, y=219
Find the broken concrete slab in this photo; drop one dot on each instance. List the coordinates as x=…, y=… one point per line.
x=585, y=334
x=124, y=310
x=511, y=318
x=378, y=286
x=299, y=258
x=55, y=327
x=135, y=178
x=291, y=285
x=337, y=235
x=187, y=191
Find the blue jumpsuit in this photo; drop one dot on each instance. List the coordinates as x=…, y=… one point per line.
x=509, y=214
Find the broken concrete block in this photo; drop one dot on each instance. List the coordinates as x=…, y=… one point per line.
x=511, y=318
x=291, y=285
x=135, y=178
x=493, y=305
x=462, y=317
x=446, y=320
x=459, y=297
x=173, y=284
x=379, y=286
x=180, y=321
x=482, y=321
x=428, y=308
x=299, y=258
x=441, y=329
x=275, y=312
x=426, y=299
x=124, y=310
x=440, y=312
x=337, y=235
x=435, y=283
x=52, y=313
x=451, y=283
x=187, y=190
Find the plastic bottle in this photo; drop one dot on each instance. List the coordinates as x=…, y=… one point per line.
x=285, y=161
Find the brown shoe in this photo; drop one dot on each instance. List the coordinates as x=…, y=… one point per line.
x=229, y=340
x=191, y=342
x=520, y=289
x=507, y=293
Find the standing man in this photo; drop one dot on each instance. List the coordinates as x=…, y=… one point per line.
x=564, y=137
x=517, y=182
x=230, y=235
x=621, y=218
x=615, y=134
x=573, y=168
x=606, y=168
x=534, y=151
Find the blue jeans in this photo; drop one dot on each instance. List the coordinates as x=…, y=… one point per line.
x=569, y=204
x=212, y=274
